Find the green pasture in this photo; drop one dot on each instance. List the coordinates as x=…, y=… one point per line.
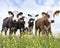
x=29, y=41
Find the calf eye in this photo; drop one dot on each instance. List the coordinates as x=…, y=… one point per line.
x=29, y=15
x=13, y=16
x=17, y=16
x=36, y=15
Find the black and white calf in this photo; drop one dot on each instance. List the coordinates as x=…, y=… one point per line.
x=20, y=22
x=7, y=23
x=11, y=22
x=30, y=22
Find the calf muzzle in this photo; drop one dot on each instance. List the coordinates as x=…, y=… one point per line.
x=52, y=21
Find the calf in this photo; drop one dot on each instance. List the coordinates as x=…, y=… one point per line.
x=40, y=23
x=7, y=23
x=30, y=24
x=13, y=22
x=20, y=23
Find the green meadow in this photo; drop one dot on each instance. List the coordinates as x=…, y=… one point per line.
x=29, y=41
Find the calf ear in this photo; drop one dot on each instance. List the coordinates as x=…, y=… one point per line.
x=36, y=15
x=56, y=13
x=29, y=15
x=19, y=14
x=10, y=12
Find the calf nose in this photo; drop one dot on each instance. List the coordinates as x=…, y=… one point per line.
x=52, y=21
x=14, y=20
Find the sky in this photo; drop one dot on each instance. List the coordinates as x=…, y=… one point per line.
x=30, y=6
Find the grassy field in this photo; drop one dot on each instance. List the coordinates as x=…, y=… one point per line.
x=29, y=41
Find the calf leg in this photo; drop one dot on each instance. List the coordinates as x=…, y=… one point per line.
x=36, y=28
x=11, y=31
x=49, y=31
x=2, y=31
x=39, y=31
x=20, y=32
x=2, y=28
x=36, y=31
x=43, y=31
x=6, y=30
x=15, y=31
x=30, y=29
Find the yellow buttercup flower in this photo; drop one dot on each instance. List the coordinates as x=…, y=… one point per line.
x=15, y=41
x=12, y=44
x=33, y=41
x=3, y=41
x=26, y=46
x=50, y=44
x=3, y=46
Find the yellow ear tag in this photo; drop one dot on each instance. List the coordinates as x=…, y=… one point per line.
x=57, y=14
x=43, y=15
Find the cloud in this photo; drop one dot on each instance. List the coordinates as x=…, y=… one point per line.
x=49, y=2
x=29, y=4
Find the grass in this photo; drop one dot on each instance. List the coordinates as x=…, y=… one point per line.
x=29, y=41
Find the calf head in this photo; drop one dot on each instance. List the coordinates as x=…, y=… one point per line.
x=31, y=22
x=12, y=15
x=20, y=17
x=33, y=16
x=30, y=18
x=15, y=19
x=52, y=15
x=17, y=16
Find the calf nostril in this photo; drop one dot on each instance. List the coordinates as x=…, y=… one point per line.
x=14, y=20
x=52, y=21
